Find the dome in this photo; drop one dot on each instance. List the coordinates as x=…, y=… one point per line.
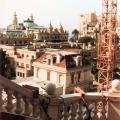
x=116, y=84
x=30, y=24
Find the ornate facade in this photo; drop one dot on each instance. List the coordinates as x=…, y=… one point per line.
x=29, y=28
x=49, y=34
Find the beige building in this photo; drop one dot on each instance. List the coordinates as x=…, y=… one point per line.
x=88, y=24
x=24, y=59
x=62, y=68
x=21, y=59
x=28, y=28
x=50, y=34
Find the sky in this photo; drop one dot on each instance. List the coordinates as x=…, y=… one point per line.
x=65, y=12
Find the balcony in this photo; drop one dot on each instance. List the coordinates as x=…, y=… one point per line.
x=20, y=101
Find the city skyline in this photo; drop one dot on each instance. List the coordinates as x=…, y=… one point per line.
x=64, y=12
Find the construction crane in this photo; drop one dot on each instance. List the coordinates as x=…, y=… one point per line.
x=107, y=44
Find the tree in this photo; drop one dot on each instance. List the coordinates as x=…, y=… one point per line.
x=2, y=62
x=75, y=33
x=5, y=68
x=86, y=40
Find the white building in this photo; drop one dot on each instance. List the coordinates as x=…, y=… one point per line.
x=62, y=68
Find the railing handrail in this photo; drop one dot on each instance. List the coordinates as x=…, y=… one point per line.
x=7, y=84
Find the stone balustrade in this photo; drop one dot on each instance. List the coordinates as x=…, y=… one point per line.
x=18, y=100
x=94, y=106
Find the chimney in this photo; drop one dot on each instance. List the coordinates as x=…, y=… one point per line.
x=59, y=56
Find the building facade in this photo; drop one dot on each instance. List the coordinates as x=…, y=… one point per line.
x=89, y=22
x=62, y=68
x=28, y=28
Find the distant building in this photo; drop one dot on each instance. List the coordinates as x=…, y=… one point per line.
x=28, y=28
x=24, y=59
x=49, y=34
x=88, y=24
x=62, y=68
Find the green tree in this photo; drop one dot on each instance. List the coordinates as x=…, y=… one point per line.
x=75, y=33
x=2, y=62
x=86, y=40
x=5, y=68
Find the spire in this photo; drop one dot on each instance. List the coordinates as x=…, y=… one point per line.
x=31, y=17
x=50, y=27
x=61, y=28
x=15, y=20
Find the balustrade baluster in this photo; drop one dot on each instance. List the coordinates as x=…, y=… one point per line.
x=95, y=111
x=72, y=112
x=1, y=98
x=18, y=104
x=103, y=111
x=27, y=107
x=35, y=107
x=65, y=113
x=79, y=112
x=10, y=105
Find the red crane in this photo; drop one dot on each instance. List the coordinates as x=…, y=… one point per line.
x=107, y=43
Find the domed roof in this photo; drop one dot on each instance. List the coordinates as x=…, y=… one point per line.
x=29, y=23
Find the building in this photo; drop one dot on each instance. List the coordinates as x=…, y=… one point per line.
x=24, y=59
x=28, y=28
x=89, y=22
x=62, y=68
x=50, y=34
x=21, y=59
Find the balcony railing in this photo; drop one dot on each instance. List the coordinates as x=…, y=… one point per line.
x=92, y=106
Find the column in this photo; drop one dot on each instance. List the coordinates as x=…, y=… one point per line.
x=9, y=106
x=18, y=104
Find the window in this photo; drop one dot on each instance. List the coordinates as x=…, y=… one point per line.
x=60, y=77
x=72, y=78
x=27, y=55
x=48, y=75
x=79, y=76
x=22, y=64
x=49, y=61
x=27, y=65
x=22, y=55
x=18, y=73
x=32, y=57
x=23, y=75
x=17, y=63
x=54, y=60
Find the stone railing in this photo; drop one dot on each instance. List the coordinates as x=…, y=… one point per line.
x=18, y=100
x=94, y=106
x=91, y=106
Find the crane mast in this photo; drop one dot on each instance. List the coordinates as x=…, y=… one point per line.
x=107, y=44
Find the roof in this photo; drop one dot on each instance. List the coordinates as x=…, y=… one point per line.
x=28, y=24
x=66, y=61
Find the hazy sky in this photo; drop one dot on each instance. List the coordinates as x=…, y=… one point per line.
x=65, y=12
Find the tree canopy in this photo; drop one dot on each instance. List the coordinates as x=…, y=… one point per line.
x=86, y=40
x=75, y=34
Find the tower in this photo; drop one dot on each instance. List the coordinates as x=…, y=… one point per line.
x=107, y=43
x=61, y=29
x=15, y=20
x=31, y=17
x=50, y=29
